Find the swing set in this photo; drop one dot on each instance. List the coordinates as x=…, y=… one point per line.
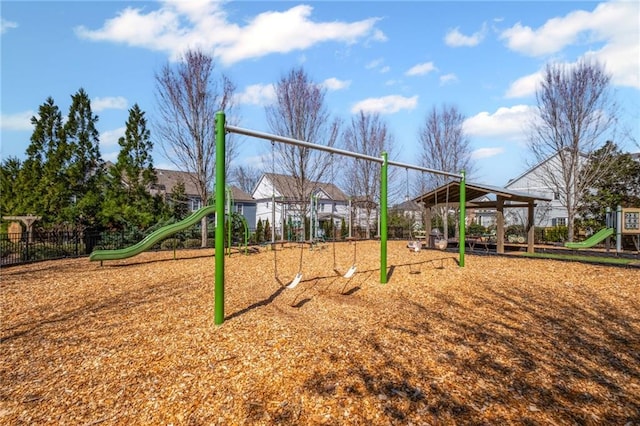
x=222, y=129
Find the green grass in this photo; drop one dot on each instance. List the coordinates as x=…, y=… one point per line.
x=579, y=258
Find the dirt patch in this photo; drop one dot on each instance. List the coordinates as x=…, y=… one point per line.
x=502, y=340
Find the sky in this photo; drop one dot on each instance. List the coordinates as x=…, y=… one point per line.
x=398, y=59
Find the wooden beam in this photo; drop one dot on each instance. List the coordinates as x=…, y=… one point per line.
x=531, y=230
x=500, y=225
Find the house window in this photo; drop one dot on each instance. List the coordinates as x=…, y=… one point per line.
x=196, y=204
x=559, y=221
x=239, y=208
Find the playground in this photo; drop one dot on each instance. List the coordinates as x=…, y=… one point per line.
x=504, y=340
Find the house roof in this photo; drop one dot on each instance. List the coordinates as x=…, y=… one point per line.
x=285, y=186
x=450, y=193
x=240, y=195
x=168, y=179
x=408, y=206
x=536, y=166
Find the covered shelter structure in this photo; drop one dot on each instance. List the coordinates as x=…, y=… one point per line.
x=505, y=198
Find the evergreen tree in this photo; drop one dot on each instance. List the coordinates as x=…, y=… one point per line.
x=43, y=184
x=85, y=173
x=9, y=186
x=178, y=201
x=620, y=185
x=134, y=159
x=344, y=231
x=259, y=234
x=129, y=201
x=267, y=230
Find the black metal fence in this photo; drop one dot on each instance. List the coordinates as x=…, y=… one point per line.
x=49, y=245
x=22, y=248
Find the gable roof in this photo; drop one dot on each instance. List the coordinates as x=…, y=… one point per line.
x=240, y=195
x=168, y=179
x=450, y=192
x=537, y=166
x=408, y=206
x=285, y=186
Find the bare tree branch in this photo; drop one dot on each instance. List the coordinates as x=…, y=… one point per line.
x=300, y=113
x=367, y=134
x=188, y=97
x=576, y=115
x=444, y=147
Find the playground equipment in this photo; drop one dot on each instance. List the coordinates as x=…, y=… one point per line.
x=153, y=238
x=599, y=236
x=169, y=230
x=625, y=221
x=222, y=128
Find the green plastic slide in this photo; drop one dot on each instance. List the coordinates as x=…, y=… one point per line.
x=153, y=238
x=593, y=240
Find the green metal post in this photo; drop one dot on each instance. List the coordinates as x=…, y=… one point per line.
x=463, y=217
x=383, y=219
x=229, y=219
x=220, y=205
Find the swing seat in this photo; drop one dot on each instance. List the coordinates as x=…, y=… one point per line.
x=296, y=281
x=441, y=244
x=350, y=272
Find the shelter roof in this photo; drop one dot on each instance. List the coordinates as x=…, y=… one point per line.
x=450, y=193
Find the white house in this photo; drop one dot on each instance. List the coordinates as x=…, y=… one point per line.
x=536, y=181
x=277, y=202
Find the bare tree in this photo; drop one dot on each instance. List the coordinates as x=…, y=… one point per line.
x=188, y=97
x=575, y=113
x=444, y=147
x=367, y=134
x=246, y=177
x=300, y=113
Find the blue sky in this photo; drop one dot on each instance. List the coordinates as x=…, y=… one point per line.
x=396, y=58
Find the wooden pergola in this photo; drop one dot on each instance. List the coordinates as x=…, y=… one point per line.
x=505, y=198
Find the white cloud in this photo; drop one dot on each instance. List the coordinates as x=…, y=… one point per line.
x=6, y=25
x=110, y=102
x=455, y=38
x=110, y=138
x=447, y=79
x=508, y=123
x=374, y=64
x=385, y=69
x=178, y=25
x=486, y=153
x=335, y=84
x=386, y=104
x=524, y=86
x=421, y=69
x=615, y=24
x=257, y=94
x=19, y=121
x=379, y=36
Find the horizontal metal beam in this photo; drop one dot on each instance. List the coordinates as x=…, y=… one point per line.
x=425, y=169
x=291, y=141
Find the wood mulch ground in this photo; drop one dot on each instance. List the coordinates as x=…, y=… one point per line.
x=503, y=340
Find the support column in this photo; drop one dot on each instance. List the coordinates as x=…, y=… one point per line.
x=383, y=219
x=500, y=225
x=220, y=205
x=531, y=229
x=462, y=237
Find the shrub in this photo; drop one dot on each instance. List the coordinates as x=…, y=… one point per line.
x=192, y=243
x=170, y=244
x=557, y=234
x=476, y=229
